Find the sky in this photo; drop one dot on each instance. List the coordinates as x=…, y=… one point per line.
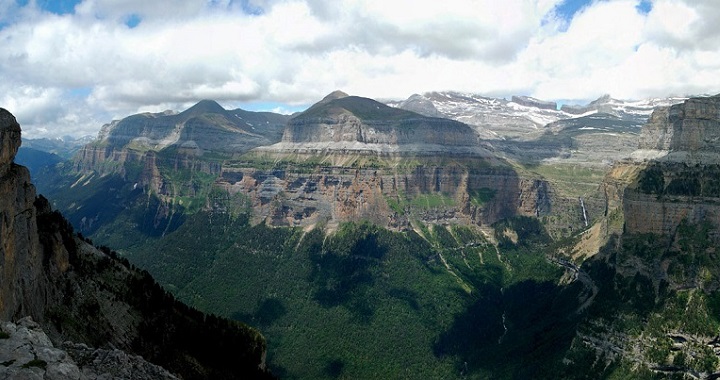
x=69, y=66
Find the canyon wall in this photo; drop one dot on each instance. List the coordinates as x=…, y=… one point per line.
x=393, y=198
x=684, y=182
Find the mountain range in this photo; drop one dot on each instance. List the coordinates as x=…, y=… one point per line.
x=445, y=236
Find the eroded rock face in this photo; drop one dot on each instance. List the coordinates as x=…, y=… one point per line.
x=432, y=194
x=690, y=126
x=682, y=184
x=21, y=267
x=9, y=139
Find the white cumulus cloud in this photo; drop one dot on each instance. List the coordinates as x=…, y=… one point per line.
x=70, y=73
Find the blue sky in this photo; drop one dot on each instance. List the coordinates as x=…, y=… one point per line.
x=69, y=66
x=59, y=7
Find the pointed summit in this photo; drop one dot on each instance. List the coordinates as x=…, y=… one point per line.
x=203, y=107
x=337, y=94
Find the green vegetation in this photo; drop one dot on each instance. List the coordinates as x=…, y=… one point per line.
x=338, y=305
x=652, y=181
x=680, y=179
x=482, y=196
x=4, y=335
x=667, y=299
x=432, y=200
x=571, y=180
x=429, y=201
x=166, y=332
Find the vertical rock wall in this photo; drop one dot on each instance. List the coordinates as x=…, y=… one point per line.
x=22, y=281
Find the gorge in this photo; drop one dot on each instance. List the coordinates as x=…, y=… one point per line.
x=363, y=229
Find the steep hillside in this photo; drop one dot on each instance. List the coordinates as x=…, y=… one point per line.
x=87, y=295
x=656, y=311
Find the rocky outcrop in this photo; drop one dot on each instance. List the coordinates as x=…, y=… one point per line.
x=453, y=194
x=26, y=352
x=9, y=140
x=692, y=126
x=23, y=282
x=681, y=182
x=420, y=104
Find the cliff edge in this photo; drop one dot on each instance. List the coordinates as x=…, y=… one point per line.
x=77, y=292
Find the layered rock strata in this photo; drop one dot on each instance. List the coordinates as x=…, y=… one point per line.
x=350, y=124
x=679, y=153
x=389, y=197
x=689, y=131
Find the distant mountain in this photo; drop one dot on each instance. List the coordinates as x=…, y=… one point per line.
x=204, y=126
x=42, y=165
x=364, y=231
x=527, y=129
x=521, y=117
x=342, y=123
x=36, y=160
x=64, y=147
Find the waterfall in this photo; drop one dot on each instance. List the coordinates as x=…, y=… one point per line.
x=582, y=205
x=504, y=327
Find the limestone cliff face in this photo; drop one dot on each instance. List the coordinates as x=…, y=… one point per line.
x=23, y=280
x=9, y=140
x=682, y=183
x=345, y=159
x=389, y=197
x=205, y=126
x=383, y=164
x=668, y=192
x=350, y=128
x=692, y=126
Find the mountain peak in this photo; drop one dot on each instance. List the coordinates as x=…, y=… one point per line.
x=602, y=100
x=337, y=94
x=205, y=106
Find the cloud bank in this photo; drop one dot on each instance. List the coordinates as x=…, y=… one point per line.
x=70, y=71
